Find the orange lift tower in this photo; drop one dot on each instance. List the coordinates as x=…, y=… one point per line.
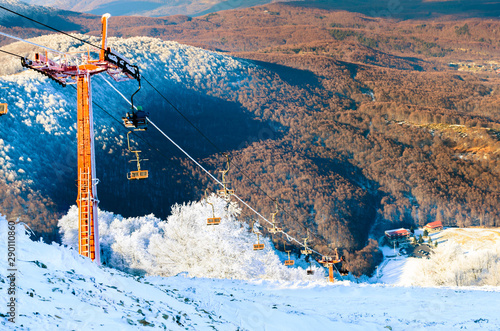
x=71, y=68
x=328, y=262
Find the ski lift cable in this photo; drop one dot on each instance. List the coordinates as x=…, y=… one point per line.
x=175, y=108
x=19, y=56
x=289, y=237
x=114, y=88
x=215, y=146
x=220, y=183
x=32, y=43
x=205, y=170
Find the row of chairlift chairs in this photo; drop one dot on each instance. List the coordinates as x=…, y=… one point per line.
x=327, y=261
x=137, y=121
x=226, y=193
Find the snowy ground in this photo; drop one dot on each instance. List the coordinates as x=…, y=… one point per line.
x=59, y=290
x=396, y=268
x=470, y=238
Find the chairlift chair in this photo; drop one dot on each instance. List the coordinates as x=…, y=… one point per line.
x=137, y=174
x=136, y=120
x=212, y=220
x=274, y=229
x=288, y=262
x=225, y=192
x=258, y=246
x=310, y=270
x=3, y=109
x=343, y=268
x=343, y=271
x=306, y=250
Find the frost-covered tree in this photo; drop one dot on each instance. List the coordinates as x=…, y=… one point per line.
x=450, y=265
x=184, y=243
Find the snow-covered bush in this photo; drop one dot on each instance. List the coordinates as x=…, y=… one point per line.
x=184, y=243
x=450, y=265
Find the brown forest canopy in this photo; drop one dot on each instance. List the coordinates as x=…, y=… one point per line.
x=378, y=122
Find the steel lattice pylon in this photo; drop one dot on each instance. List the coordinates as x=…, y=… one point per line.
x=88, y=234
x=70, y=69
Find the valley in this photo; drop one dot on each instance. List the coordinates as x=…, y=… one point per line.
x=354, y=122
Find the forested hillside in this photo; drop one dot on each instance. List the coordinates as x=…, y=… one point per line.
x=354, y=124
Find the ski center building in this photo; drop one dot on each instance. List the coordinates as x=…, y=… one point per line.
x=434, y=226
x=397, y=236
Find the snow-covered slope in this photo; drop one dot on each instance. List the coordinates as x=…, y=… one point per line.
x=59, y=290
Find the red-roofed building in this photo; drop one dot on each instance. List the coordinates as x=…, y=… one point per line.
x=397, y=235
x=434, y=226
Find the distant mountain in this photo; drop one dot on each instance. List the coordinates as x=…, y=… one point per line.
x=401, y=9
x=411, y=9
x=56, y=17
x=153, y=8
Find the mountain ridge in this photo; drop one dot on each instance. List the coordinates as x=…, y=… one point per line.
x=150, y=8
